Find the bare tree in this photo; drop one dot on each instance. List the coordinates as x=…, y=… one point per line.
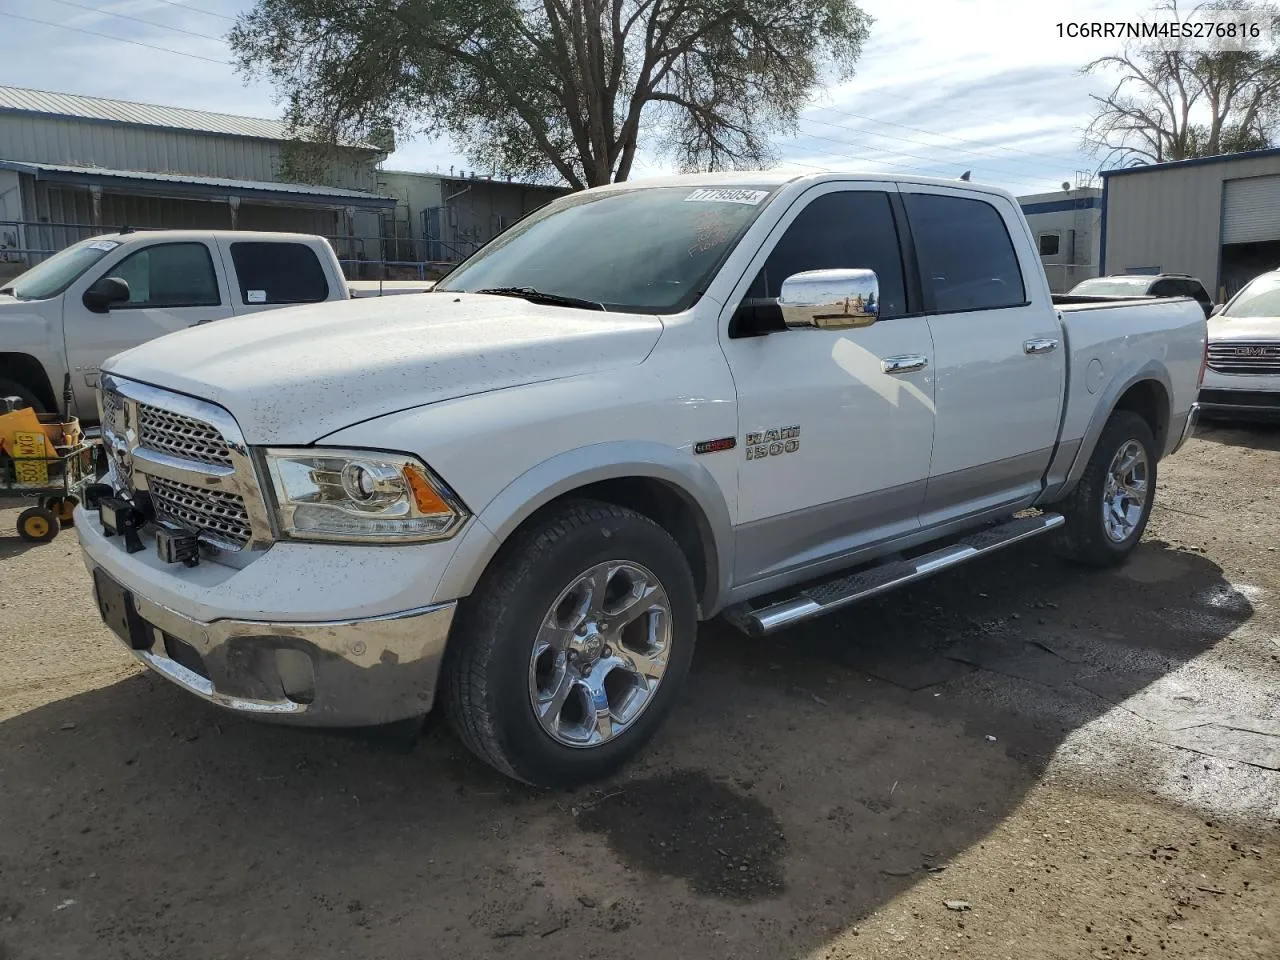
x=555, y=87
x=1178, y=104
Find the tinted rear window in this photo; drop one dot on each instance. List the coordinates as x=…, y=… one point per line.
x=967, y=260
x=278, y=273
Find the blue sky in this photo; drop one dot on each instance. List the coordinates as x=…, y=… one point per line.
x=942, y=87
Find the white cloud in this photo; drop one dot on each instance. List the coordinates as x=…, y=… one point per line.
x=991, y=81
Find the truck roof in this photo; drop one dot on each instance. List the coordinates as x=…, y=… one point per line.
x=777, y=178
x=126, y=233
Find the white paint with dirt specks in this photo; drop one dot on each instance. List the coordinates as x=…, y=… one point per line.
x=311, y=370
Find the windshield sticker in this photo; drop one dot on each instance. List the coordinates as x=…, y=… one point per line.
x=721, y=195
x=255, y=296
x=104, y=245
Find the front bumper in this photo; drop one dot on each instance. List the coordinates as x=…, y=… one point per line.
x=1240, y=404
x=309, y=634
x=342, y=673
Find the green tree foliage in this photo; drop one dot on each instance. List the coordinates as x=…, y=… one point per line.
x=1178, y=104
x=540, y=88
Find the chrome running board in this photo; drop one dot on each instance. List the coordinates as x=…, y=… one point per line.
x=825, y=596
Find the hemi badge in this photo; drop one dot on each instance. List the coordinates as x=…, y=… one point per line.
x=715, y=446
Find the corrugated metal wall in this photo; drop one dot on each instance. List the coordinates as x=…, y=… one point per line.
x=62, y=216
x=120, y=147
x=1171, y=218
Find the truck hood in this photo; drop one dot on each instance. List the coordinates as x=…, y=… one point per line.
x=1243, y=328
x=298, y=374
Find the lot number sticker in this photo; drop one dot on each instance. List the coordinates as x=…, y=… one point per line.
x=721, y=195
x=256, y=296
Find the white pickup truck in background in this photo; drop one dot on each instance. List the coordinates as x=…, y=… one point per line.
x=112, y=292
x=765, y=396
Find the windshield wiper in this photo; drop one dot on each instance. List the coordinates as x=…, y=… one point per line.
x=537, y=296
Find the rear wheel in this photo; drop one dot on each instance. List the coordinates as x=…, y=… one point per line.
x=573, y=647
x=1109, y=508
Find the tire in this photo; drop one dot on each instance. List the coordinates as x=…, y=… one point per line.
x=63, y=508
x=37, y=525
x=528, y=602
x=1087, y=536
x=10, y=388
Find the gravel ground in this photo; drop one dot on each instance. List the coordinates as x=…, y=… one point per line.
x=1018, y=759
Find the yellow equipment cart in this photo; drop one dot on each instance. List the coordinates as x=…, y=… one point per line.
x=43, y=457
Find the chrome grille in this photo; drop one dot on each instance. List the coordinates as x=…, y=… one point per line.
x=188, y=455
x=1236, y=356
x=181, y=436
x=112, y=411
x=217, y=514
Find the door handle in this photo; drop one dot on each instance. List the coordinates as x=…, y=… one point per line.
x=1040, y=345
x=903, y=364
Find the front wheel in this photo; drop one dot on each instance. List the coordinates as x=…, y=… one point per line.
x=1109, y=508
x=574, y=645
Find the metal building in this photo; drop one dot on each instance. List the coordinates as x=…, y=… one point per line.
x=72, y=166
x=444, y=219
x=1216, y=218
x=1066, y=225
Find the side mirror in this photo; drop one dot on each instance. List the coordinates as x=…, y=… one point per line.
x=1217, y=309
x=830, y=299
x=99, y=297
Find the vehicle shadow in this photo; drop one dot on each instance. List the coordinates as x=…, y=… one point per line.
x=1258, y=436
x=802, y=783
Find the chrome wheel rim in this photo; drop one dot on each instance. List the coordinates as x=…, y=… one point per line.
x=600, y=654
x=1125, y=495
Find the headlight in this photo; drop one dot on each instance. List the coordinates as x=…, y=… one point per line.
x=361, y=496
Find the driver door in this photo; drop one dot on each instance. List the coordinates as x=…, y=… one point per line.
x=172, y=285
x=843, y=418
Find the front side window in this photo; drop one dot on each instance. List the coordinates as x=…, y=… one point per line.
x=169, y=275
x=637, y=250
x=851, y=229
x=1261, y=298
x=278, y=273
x=967, y=259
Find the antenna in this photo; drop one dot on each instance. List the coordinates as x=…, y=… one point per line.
x=965, y=175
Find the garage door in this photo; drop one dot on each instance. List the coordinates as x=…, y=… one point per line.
x=1251, y=210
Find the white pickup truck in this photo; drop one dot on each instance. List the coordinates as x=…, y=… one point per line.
x=760, y=395
x=112, y=292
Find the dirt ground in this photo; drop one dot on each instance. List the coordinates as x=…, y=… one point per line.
x=1019, y=759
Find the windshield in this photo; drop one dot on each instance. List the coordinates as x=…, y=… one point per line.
x=1113, y=287
x=50, y=277
x=646, y=250
x=1261, y=298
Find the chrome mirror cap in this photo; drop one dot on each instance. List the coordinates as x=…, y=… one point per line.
x=830, y=299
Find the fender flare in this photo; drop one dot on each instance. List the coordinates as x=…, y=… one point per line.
x=526, y=494
x=1128, y=376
